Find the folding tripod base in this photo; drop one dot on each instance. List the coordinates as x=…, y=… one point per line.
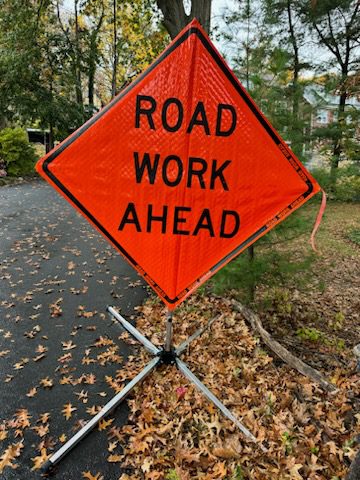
x=168, y=355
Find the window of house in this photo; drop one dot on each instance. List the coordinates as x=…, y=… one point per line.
x=322, y=116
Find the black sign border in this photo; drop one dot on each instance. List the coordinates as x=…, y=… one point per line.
x=228, y=73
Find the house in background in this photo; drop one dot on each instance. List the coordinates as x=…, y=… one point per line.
x=324, y=112
x=325, y=105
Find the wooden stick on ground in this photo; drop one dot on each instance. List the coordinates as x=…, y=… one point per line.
x=281, y=351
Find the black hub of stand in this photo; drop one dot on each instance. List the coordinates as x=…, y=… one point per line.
x=168, y=358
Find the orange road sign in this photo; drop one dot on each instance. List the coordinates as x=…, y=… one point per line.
x=181, y=171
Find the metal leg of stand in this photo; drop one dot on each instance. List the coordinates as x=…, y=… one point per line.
x=150, y=347
x=169, y=332
x=70, y=444
x=210, y=396
x=181, y=348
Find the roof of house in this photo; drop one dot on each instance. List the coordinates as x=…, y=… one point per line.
x=318, y=97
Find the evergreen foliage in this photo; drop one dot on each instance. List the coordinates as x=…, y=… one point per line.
x=347, y=185
x=270, y=266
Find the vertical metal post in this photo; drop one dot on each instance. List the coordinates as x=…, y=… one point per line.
x=169, y=331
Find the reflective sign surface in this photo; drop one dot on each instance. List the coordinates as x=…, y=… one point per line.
x=181, y=171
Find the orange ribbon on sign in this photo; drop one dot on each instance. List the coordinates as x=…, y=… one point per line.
x=318, y=220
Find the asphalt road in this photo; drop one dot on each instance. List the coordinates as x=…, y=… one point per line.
x=50, y=255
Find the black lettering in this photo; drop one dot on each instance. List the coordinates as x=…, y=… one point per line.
x=167, y=103
x=218, y=173
x=205, y=223
x=165, y=175
x=192, y=172
x=202, y=120
x=147, y=111
x=146, y=164
x=152, y=218
x=235, y=215
x=178, y=219
x=130, y=217
x=221, y=108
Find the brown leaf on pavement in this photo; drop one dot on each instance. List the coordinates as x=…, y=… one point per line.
x=67, y=410
x=12, y=452
x=40, y=460
x=88, y=475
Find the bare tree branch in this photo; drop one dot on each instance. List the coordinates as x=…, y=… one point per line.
x=335, y=44
x=281, y=351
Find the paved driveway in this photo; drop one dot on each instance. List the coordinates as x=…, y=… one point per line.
x=57, y=274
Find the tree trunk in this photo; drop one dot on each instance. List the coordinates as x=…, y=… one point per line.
x=175, y=17
x=3, y=122
x=252, y=286
x=91, y=76
x=78, y=89
x=296, y=136
x=93, y=59
x=201, y=9
x=51, y=143
x=115, y=56
x=343, y=48
x=338, y=140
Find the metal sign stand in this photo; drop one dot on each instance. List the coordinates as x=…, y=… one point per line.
x=168, y=355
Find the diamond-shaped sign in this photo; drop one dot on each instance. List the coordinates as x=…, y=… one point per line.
x=181, y=171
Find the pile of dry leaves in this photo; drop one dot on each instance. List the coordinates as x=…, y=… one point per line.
x=173, y=433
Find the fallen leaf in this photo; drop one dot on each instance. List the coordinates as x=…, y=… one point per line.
x=114, y=458
x=89, y=476
x=180, y=392
x=55, y=309
x=47, y=382
x=41, y=430
x=44, y=417
x=220, y=470
x=146, y=465
x=40, y=460
x=7, y=458
x=67, y=410
x=225, y=453
x=83, y=396
x=112, y=446
x=18, y=366
x=39, y=357
x=103, y=424
x=68, y=345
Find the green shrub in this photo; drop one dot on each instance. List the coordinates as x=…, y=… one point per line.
x=16, y=153
x=172, y=475
x=322, y=176
x=310, y=334
x=347, y=188
x=354, y=235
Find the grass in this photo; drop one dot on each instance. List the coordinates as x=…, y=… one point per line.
x=307, y=300
x=354, y=235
